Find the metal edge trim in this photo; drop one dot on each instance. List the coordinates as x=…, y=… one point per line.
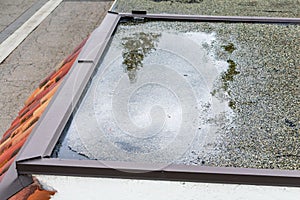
x=237, y=19
x=12, y=182
x=172, y=172
x=48, y=130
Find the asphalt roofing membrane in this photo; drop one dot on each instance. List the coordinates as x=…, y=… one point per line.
x=213, y=94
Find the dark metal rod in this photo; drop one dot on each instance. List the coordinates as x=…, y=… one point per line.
x=236, y=19
x=172, y=172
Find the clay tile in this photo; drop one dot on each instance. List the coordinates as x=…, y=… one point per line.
x=59, y=66
x=32, y=96
x=62, y=71
x=11, y=152
x=7, y=164
x=50, y=94
x=30, y=107
x=16, y=121
x=41, y=109
x=33, y=192
x=23, y=134
x=26, y=192
x=44, y=82
x=48, y=84
x=29, y=114
x=5, y=145
x=76, y=50
x=42, y=94
x=41, y=195
x=8, y=133
x=30, y=122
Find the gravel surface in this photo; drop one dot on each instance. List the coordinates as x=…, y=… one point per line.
x=261, y=84
x=262, y=88
x=251, y=118
x=270, y=8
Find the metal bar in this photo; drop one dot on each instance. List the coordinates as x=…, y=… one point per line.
x=49, y=128
x=13, y=182
x=112, y=169
x=97, y=42
x=232, y=19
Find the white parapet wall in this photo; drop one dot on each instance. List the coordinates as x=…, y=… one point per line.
x=124, y=189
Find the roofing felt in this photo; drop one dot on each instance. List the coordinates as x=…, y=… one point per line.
x=15, y=137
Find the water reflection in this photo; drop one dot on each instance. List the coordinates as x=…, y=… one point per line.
x=136, y=48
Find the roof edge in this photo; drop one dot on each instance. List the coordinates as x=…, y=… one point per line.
x=12, y=182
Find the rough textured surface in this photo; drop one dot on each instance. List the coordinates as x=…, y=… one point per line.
x=35, y=191
x=256, y=86
x=14, y=138
x=37, y=56
x=261, y=86
x=12, y=9
x=271, y=8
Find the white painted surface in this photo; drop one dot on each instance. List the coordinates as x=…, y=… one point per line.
x=122, y=189
x=13, y=41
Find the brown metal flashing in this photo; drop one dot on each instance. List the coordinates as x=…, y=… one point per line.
x=33, y=158
x=13, y=182
x=53, y=121
x=51, y=124
x=112, y=169
x=206, y=18
x=99, y=38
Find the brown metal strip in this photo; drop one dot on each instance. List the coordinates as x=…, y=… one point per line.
x=232, y=19
x=13, y=182
x=97, y=42
x=186, y=173
x=48, y=130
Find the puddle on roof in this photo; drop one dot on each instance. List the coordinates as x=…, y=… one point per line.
x=214, y=94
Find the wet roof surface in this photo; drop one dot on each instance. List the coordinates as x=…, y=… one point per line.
x=214, y=94
x=259, y=95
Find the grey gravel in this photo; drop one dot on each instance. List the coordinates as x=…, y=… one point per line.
x=270, y=8
x=260, y=86
x=266, y=95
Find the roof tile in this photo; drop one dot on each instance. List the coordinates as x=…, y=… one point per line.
x=33, y=192
x=15, y=137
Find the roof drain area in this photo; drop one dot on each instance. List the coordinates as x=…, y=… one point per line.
x=151, y=90
x=202, y=94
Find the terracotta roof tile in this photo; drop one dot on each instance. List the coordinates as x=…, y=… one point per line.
x=14, y=138
x=33, y=192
